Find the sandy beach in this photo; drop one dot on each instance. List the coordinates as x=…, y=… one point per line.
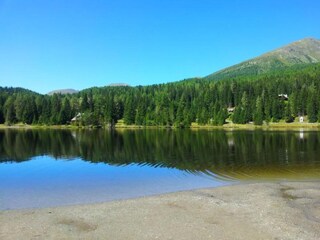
x=282, y=210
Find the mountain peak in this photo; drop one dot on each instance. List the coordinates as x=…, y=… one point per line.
x=118, y=85
x=63, y=91
x=309, y=39
x=304, y=51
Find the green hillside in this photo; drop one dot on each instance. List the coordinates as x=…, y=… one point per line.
x=305, y=51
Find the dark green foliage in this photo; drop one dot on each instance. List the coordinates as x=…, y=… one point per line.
x=25, y=108
x=9, y=111
x=220, y=117
x=84, y=103
x=65, y=114
x=288, y=117
x=55, y=109
x=312, y=104
x=255, y=98
x=129, y=111
x=258, y=115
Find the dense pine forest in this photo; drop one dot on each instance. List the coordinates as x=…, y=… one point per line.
x=251, y=98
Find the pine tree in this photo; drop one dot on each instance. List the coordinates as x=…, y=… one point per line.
x=311, y=106
x=288, y=113
x=245, y=109
x=222, y=116
x=65, y=112
x=129, y=111
x=84, y=105
x=55, y=109
x=9, y=110
x=258, y=115
x=29, y=114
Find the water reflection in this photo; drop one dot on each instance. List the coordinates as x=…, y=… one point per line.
x=227, y=154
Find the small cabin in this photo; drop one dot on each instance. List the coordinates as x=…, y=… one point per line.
x=76, y=118
x=231, y=109
x=301, y=119
x=283, y=97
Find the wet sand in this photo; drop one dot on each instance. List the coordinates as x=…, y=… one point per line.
x=285, y=210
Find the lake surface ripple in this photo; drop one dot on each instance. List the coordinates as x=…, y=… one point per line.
x=41, y=168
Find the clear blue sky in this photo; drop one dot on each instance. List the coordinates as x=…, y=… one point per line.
x=54, y=44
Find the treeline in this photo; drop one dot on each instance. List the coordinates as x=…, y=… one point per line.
x=176, y=104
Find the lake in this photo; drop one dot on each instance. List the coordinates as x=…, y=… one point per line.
x=42, y=168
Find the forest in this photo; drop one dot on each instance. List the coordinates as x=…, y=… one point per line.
x=252, y=98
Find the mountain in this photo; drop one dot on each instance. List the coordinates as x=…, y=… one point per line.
x=63, y=91
x=118, y=85
x=304, y=51
x=15, y=90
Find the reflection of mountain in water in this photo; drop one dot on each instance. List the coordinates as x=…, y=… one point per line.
x=237, y=154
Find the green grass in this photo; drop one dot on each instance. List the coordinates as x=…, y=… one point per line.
x=281, y=125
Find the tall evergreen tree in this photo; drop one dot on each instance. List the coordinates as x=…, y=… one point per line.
x=258, y=115
x=84, y=103
x=288, y=113
x=312, y=106
x=9, y=110
x=129, y=111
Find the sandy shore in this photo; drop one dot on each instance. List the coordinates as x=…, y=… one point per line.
x=252, y=211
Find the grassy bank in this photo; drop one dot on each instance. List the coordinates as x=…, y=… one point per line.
x=278, y=125
x=194, y=126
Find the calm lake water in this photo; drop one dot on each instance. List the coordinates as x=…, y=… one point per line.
x=40, y=168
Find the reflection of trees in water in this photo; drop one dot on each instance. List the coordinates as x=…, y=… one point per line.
x=183, y=149
x=21, y=145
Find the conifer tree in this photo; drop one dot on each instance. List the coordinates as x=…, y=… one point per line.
x=288, y=117
x=258, y=115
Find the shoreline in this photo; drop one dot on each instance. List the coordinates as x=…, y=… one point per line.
x=228, y=126
x=278, y=210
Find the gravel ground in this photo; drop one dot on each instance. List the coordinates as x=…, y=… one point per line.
x=282, y=210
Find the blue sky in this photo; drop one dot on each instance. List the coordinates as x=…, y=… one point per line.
x=47, y=45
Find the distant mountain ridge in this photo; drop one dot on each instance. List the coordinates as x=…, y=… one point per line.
x=63, y=91
x=118, y=85
x=305, y=51
x=12, y=90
